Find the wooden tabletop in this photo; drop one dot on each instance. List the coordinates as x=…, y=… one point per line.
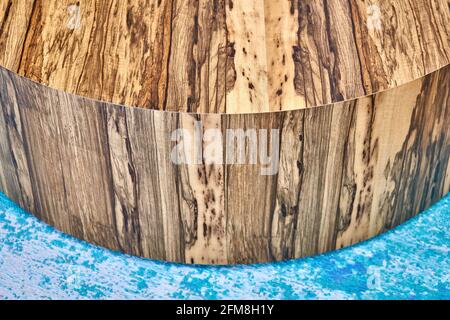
x=224, y=56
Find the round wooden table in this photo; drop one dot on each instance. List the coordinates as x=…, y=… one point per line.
x=226, y=131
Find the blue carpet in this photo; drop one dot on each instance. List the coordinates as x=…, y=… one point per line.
x=410, y=262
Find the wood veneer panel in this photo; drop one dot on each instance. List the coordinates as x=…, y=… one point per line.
x=224, y=56
x=102, y=172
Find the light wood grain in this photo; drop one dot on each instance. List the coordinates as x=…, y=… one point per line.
x=224, y=56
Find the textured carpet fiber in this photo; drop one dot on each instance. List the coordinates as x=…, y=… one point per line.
x=38, y=262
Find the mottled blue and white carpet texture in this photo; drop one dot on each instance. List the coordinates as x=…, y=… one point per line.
x=410, y=262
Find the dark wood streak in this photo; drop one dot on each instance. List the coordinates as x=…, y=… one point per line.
x=420, y=163
x=123, y=183
x=5, y=16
